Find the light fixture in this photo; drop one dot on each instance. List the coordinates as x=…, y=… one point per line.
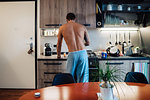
x=119, y=29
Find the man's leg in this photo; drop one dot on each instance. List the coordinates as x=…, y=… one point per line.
x=71, y=64
x=83, y=69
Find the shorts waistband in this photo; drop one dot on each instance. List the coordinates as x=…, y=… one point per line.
x=80, y=51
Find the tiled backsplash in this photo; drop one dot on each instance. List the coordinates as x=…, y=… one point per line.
x=99, y=40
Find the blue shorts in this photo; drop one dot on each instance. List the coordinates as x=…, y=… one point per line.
x=77, y=65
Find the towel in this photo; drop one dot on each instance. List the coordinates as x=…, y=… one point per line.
x=143, y=68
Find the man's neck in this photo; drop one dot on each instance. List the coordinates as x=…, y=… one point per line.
x=71, y=21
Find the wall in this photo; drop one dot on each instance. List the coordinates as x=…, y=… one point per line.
x=99, y=40
x=145, y=39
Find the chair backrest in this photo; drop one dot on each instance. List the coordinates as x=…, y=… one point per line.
x=136, y=77
x=63, y=78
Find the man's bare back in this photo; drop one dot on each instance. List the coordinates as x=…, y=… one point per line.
x=75, y=36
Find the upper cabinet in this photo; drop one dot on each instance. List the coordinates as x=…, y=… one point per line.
x=122, y=15
x=53, y=12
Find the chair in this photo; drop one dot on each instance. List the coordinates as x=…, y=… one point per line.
x=135, y=77
x=63, y=78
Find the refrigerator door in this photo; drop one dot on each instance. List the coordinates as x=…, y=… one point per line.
x=17, y=26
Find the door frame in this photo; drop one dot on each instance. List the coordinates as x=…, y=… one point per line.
x=35, y=34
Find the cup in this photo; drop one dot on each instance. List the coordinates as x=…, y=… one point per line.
x=129, y=8
x=109, y=7
x=120, y=7
x=104, y=55
x=139, y=7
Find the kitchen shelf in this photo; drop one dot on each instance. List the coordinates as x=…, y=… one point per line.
x=49, y=36
x=132, y=11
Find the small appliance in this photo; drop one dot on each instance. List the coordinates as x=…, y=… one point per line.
x=48, y=51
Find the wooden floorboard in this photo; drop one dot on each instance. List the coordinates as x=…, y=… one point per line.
x=6, y=94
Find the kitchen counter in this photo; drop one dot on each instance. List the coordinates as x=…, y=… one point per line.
x=54, y=57
x=125, y=58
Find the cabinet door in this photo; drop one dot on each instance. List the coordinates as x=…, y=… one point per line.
x=122, y=65
x=85, y=12
x=49, y=12
x=47, y=70
x=55, y=11
x=90, y=13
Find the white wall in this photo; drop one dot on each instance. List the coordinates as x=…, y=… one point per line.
x=145, y=39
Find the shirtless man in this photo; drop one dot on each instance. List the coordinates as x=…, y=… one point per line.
x=76, y=38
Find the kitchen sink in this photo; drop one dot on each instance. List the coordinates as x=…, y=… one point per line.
x=136, y=55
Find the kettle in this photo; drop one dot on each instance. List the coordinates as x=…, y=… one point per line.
x=48, y=51
x=137, y=50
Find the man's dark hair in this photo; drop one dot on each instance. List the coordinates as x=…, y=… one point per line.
x=70, y=16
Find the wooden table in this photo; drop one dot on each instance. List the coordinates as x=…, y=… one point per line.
x=87, y=91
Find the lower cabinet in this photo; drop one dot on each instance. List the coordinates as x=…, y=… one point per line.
x=47, y=70
x=122, y=65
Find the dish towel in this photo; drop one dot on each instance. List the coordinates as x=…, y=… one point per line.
x=143, y=68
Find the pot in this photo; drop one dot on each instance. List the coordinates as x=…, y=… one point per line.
x=113, y=51
x=106, y=93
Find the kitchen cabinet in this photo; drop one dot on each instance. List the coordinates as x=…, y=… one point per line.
x=122, y=65
x=47, y=69
x=53, y=12
x=117, y=14
x=136, y=61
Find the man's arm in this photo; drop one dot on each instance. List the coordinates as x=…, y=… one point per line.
x=86, y=38
x=59, y=43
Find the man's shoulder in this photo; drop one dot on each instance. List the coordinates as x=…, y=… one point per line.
x=80, y=24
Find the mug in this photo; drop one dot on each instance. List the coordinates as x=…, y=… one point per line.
x=104, y=55
x=120, y=7
x=139, y=7
x=129, y=8
x=109, y=7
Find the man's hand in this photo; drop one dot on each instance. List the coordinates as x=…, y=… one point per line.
x=58, y=56
x=86, y=44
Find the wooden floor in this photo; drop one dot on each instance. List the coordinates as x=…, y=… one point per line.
x=6, y=94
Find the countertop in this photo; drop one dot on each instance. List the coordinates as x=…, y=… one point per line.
x=54, y=57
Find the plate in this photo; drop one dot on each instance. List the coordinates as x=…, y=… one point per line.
x=99, y=97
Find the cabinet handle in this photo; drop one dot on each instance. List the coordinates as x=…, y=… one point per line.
x=147, y=63
x=53, y=24
x=119, y=63
x=52, y=63
x=47, y=82
x=52, y=72
x=93, y=68
x=87, y=24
